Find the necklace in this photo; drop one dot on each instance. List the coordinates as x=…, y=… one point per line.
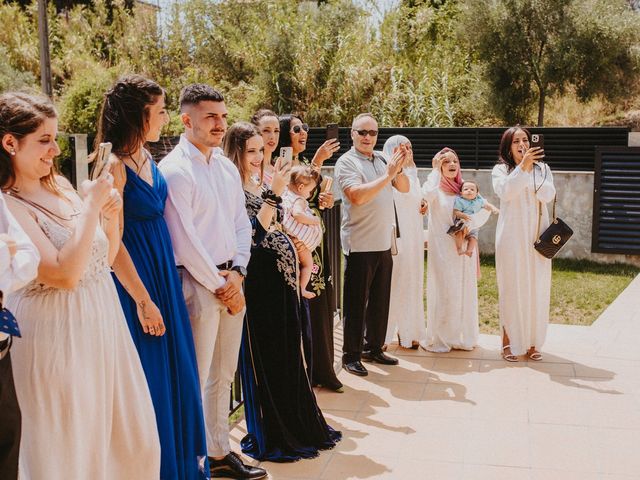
x=14, y=193
x=139, y=167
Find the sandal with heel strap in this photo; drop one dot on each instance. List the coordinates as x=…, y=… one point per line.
x=536, y=356
x=509, y=357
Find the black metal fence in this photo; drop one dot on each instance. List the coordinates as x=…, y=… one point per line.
x=566, y=148
x=616, y=201
x=331, y=219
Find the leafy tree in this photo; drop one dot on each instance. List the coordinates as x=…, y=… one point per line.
x=533, y=49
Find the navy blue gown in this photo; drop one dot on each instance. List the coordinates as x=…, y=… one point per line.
x=284, y=422
x=169, y=361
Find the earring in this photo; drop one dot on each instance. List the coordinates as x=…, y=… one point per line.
x=12, y=152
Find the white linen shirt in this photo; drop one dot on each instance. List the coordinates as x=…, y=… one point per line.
x=205, y=212
x=23, y=267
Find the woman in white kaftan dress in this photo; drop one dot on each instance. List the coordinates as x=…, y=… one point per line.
x=86, y=407
x=521, y=181
x=406, y=307
x=452, y=291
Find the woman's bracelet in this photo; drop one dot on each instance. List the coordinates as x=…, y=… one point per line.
x=269, y=195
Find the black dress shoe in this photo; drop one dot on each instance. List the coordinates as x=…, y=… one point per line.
x=356, y=368
x=379, y=357
x=232, y=467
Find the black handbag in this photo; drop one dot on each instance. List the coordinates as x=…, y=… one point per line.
x=554, y=237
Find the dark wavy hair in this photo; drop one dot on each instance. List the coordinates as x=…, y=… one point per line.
x=285, y=130
x=504, y=152
x=235, y=143
x=124, y=115
x=20, y=115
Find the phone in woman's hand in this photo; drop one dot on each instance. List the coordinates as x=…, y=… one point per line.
x=332, y=131
x=100, y=162
x=286, y=153
x=537, y=140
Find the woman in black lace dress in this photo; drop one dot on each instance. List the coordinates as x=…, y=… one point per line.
x=318, y=335
x=284, y=422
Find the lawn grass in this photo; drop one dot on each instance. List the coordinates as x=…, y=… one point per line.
x=580, y=291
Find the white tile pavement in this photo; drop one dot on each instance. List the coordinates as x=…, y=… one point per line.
x=472, y=416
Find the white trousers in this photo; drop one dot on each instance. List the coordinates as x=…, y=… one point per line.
x=217, y=336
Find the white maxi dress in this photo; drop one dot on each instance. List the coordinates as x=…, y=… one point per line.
x=452, y=288
x=86, y=407
x=524, y=276
x=406, y=307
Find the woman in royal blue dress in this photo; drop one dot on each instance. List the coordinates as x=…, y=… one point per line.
x=284, y=422
x=147, y=279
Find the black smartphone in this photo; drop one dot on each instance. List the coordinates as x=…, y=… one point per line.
x=537, y=140
x=332, y=131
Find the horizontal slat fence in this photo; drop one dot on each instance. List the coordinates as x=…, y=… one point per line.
x=616, y=201
x=566, y=148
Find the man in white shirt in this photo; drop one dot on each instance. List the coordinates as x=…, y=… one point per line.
x=211, y=235
x=19, y=260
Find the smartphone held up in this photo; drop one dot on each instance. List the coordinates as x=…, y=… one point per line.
x=332, y=131
x=537, y=140
x=286, y=153
x=101, y=159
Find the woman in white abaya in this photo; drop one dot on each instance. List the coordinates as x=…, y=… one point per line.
x=523, y=184
x=452, y=291
x=406, y=307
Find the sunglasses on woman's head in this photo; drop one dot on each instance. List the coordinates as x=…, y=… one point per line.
x=371, y=133
x=297, y=128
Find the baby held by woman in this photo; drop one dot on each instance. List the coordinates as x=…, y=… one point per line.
x=466, y=204
x=300, y=223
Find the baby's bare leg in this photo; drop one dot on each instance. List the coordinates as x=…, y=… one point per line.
x=472, y=243
x=459, y=238
x=306, y=268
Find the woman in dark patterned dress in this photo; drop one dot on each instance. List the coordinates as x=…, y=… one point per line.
x=284, y=422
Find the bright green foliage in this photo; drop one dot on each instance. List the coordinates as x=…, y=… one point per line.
x=333, y=59
x=534, y=49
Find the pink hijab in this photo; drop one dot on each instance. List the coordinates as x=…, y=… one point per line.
x=450, y=185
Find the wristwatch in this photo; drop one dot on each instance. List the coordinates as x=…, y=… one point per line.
x=239, y=269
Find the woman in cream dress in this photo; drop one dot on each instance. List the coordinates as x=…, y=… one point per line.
x=86, y=408
x=452, y=289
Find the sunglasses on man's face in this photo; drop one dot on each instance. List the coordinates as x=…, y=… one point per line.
x=297, y=128
x=363, y=133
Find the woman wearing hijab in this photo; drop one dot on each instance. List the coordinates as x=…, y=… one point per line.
x=452, y=290
x=406, y=308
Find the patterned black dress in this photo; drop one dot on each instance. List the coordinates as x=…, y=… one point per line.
x=284, y=422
